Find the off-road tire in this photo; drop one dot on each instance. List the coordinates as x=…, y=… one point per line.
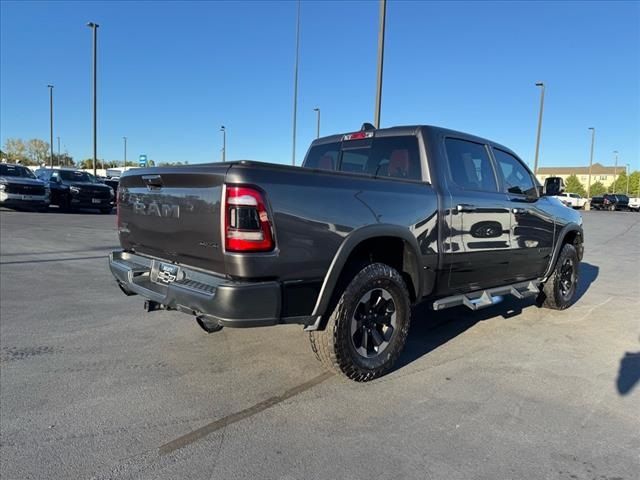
x=333, y=346
x=551, y=294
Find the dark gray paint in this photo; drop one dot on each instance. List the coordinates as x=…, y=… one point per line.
x=320, y=216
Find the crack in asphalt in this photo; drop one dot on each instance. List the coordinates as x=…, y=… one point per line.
x=48, y=260
x=202, y=432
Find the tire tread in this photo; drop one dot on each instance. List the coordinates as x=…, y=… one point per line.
x=326, y=345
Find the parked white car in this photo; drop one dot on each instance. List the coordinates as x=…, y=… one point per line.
x=634, y=204
x=572, y=200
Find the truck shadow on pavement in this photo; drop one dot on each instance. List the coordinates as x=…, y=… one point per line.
x=629, y=372
x=588, y=275
x=431, y=329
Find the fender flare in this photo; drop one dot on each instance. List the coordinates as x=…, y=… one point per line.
x=349, y=244
x=570, y=227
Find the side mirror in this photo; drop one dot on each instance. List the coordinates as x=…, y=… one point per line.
x=553, y=186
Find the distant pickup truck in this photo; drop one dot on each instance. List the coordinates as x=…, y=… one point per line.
x=19, y=188
x=610, y=202
x=634, y=204
x=375, y=221
x=572, y=200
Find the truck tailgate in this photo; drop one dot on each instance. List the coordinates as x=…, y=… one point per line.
x=173, y=213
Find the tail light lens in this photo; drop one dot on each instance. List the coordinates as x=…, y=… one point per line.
x=247, y=224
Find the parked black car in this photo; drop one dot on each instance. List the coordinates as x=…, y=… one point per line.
x=610, y=201
x=19, y=188
x=113, y=182
x=75, y=189
x=110, y=181
x=375, y=221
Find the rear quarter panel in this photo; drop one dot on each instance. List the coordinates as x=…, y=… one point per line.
x=314, y=212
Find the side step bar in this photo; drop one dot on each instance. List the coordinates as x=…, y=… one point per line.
x=484, y=298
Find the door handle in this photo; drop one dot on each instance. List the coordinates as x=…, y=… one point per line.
x=520, y=211
x=466, y=207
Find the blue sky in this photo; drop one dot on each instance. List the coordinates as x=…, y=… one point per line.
x=170, y=73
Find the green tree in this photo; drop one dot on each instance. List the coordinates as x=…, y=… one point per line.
x=620, y=185
x=87, y=164
x=598, y=189
x=573, y=185
x=634, y=184
x=64, y=160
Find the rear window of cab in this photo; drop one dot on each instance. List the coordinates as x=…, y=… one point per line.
x=394, y=157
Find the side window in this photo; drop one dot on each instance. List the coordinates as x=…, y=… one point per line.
x=517, y=179
x=324, y=157
x=396, y=157
x=469, y=165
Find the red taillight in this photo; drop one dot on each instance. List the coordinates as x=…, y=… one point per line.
x=247, y=227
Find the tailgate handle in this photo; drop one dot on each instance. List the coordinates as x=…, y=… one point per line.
x=152, y=181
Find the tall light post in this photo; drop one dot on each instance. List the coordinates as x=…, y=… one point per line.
x=382, y=20
x=615, y=172
x=317, y=110
x=535, y=162
x=295, y=85
x=224, y=143
x=593, y=139
x=628, y=178
x=125, y=152
x=94, y=27
x=50, y=87
x=59, y=160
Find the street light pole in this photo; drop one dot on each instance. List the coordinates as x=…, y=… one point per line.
x=295, y=86
x=317, y=110
x=615, y=172
x=51, y=124
x=125, y=152
x=593, y=139
x=535, y=164
x=94, y=27
x=59, y=160
x=382, y=19
x=224, y=143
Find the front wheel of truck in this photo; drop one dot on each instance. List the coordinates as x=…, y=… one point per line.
x=559, y=291
x=368, y=328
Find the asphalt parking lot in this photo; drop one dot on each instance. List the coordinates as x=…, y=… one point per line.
x=93, y=387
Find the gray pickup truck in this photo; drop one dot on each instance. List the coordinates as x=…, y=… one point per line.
x=374, y=222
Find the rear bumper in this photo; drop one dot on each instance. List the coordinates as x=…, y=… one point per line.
x=230, y=303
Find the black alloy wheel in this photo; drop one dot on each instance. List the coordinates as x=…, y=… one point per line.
x=373, y=323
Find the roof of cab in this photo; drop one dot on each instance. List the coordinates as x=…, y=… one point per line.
x=429, y=130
